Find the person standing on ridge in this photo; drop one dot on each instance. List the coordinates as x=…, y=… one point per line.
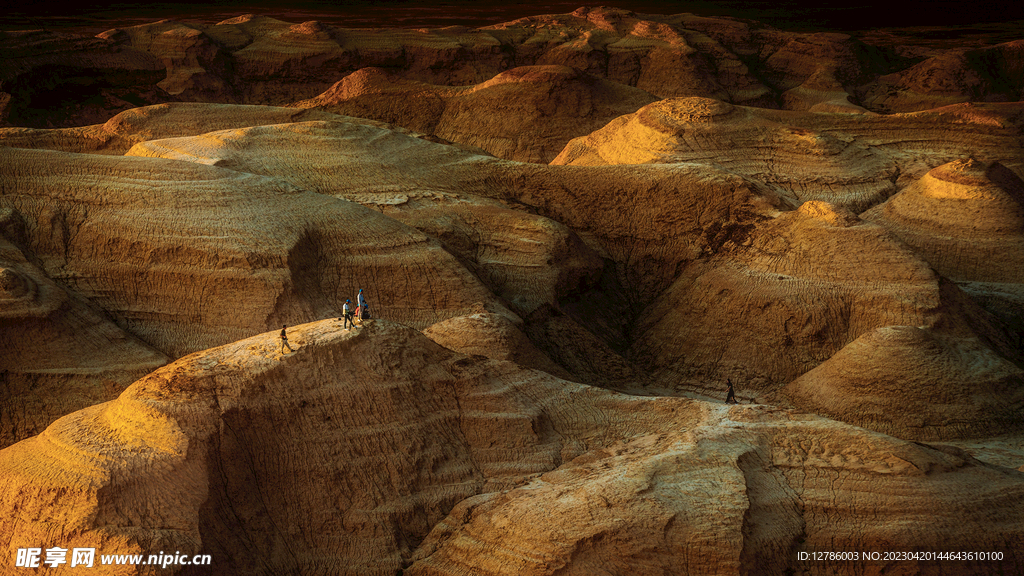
x=284, y=339
x=346, y=311
x=363, y=312
x=730, y=397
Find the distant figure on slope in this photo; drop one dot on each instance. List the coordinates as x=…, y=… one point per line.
x=346, y=311
x=361, y=300
x=730, y=397
x=284, y=339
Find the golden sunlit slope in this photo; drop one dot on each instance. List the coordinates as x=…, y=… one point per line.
x=377, y=433
x=388, y=452
x=60, y=354
x=500, y=414
x=741, y=295
x=130, y=127
x=685, y=270
x=503, y=221
x=597, y=242
x=744, y=491
x=656, y=212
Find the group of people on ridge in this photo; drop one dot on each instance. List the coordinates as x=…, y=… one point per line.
x=362, y=311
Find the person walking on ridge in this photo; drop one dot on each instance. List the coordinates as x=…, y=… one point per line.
x=284, y=339
x=730, y=397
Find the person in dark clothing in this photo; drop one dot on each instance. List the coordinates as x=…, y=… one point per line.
x=346, y=311
x=730, y=397
x=284, y=339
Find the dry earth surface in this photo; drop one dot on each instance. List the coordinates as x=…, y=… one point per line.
x=571, y=229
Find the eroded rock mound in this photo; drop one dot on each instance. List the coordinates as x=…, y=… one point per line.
x=528, y=260
x=529, y=113
x=966, y=218
x=495, y=337
x=597, y=242
x=824, y=256
x=253, y=59
x=818, y=71
x=915, y=383
x=645, y=506
x=382, y=95
x=188, y=438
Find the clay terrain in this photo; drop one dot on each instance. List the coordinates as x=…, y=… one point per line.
x=571, y=231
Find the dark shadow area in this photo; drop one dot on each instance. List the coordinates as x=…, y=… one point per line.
x=792, y=15
x=56, y=96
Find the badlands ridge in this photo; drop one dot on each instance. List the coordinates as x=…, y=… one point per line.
x=572, y=230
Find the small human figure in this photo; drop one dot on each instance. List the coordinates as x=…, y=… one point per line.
x=284, y=339
x=346, y=311
x=363, y=311
x=730, y=397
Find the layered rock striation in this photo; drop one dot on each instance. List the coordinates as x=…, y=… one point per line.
x=671, y=275
x=966, y=219
x=60, y=353
x=597, y=242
